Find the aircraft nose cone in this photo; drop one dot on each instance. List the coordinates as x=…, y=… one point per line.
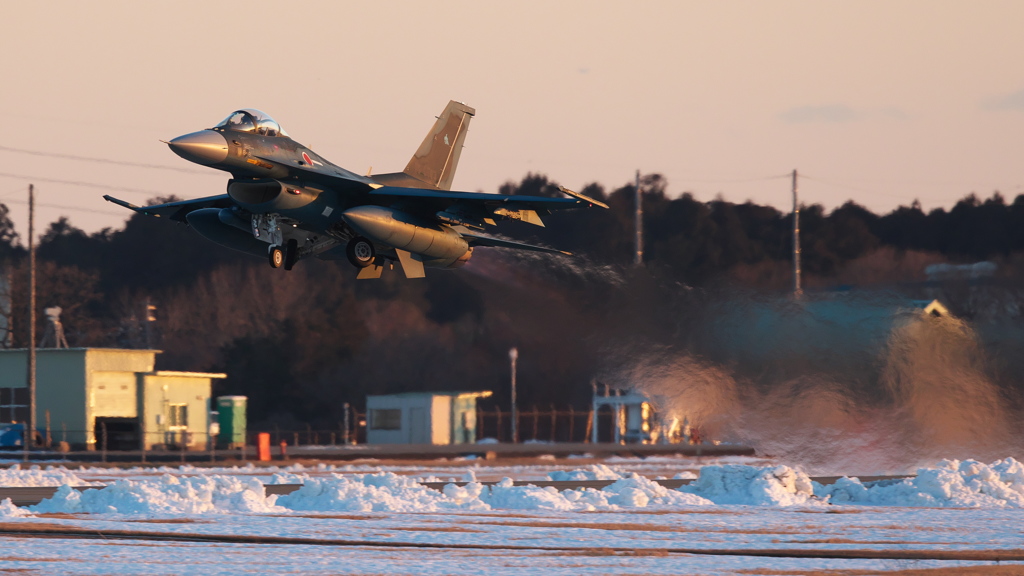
x=203, y=147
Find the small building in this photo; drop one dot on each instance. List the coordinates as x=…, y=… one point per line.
x=632, y=416
x=89, y=391
x=423, y=418
x=231, y=421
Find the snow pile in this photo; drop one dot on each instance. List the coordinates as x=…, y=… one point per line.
x=505, y=496
x=9, y=510
x=288, y=478
x=167, y=495
x=381, y=492
x=767, y=486
x=951, y=483
x=635, y=491
x=388, y=492
x=34, y=476
x=595, y=472
x=632, y=491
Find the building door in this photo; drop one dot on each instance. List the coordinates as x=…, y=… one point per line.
x=419, y=432
x=606, y=421
x=117, y=433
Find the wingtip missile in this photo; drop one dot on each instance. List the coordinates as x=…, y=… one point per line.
x=579, y=196
x=120, y=202
x=129, y=205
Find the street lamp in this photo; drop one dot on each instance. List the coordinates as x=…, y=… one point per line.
x=513, y=354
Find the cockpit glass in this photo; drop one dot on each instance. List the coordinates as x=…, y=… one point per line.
x=251, y=120
x=267, y=127
x=240, y=121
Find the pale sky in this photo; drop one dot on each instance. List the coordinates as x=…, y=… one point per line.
x=879, y=102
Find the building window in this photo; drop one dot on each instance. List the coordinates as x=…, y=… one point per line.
x=177, y=416
x=13, y=404
x=386, y=419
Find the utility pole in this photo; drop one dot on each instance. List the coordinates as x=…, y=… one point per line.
x=6, y=309
x=797, y=289
x=638, y=216
x=30, y=426
x=513, y=355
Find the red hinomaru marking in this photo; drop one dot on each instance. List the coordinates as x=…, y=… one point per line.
x=306, y=158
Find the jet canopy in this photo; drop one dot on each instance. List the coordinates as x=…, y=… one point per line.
x=251, y=120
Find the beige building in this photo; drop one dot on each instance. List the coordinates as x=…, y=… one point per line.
x=89, y=391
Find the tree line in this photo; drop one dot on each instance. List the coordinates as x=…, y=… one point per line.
x=301, y=343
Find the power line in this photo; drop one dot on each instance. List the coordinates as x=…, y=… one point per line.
x=900, y=182
x=855, y=188
x=104, y=160
x=18, y=190
x=82, y=183
x=839, y=184
x=728, y=180
x=74, y=208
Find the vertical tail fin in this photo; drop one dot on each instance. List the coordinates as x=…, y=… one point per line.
x=438, y=156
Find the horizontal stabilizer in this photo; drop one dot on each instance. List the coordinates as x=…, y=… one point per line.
x=482, y=240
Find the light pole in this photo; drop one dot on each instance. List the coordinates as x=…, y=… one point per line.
x=30, y=426
x=513, y=354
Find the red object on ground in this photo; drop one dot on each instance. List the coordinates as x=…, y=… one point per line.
x=284, y=450
x=263, y=446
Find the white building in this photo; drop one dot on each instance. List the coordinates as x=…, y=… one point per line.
x=422, y=418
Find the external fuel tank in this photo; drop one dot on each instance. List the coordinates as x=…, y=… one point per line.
x=439, y=246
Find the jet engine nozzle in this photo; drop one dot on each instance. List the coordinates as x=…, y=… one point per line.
x=205, y=147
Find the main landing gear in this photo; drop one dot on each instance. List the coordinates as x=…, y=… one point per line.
x=360, y=252
x=286, y=255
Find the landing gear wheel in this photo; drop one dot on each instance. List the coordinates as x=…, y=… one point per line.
x=360, y=252
x=291, y=253
x=276, y=256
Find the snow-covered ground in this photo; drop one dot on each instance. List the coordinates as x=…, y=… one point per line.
x=368, y=519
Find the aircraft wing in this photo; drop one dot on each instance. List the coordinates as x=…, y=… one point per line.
x=176, y=210
x=445, y=197
x=474, y=209
x=483, y=240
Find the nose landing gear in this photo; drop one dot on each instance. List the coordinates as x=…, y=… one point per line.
x=291, y=253
x=276, y=257
x=286, y=255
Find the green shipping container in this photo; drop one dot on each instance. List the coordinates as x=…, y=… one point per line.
x=231, y=418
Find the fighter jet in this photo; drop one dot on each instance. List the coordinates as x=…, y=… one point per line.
x=287, y=203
